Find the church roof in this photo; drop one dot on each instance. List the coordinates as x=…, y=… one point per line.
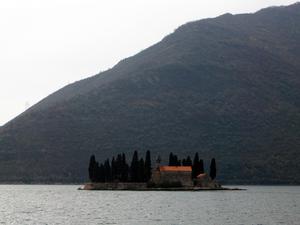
x=202, y=175
x=176, y=168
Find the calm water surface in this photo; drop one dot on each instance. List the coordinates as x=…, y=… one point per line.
x=48, y=204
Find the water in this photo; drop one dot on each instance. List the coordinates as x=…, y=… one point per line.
x=49, y=204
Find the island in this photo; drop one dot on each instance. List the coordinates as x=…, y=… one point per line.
x=178, y=175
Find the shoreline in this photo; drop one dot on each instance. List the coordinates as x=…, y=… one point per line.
x=143, y=187
x=80, y=183
x=167, y=189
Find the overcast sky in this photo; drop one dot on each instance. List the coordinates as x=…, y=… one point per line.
x=44, y=45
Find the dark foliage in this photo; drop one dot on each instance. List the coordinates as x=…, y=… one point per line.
x=187, y=161
x=140, y=170
x=107, y=171
x=196, y=166
x=118, y=170
x=201, y=166
x=124, y=170
x=174, y=160
x=171, y=159
x=213, y=169
x=134, y=167
x=93, y=169
x=148, y=168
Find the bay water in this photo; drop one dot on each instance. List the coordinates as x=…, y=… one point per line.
x=64, y=204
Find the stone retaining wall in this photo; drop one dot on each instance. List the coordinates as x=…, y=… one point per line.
x=115, y=186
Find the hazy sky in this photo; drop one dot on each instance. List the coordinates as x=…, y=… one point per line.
x=45, y=45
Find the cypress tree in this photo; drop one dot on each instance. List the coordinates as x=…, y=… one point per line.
x=171, y=159
x=92, y=169
x=98, y=173
x=119, y=167
x=178, y=163
x=107, y=171
x=124, y=176
x=102, y=173
x=175, y=160
x=189, y=161
x=201, y=166
x=148, y=169
x=213, y=169
x=134, y=167
x=196, y=166
x=113, y=168
x=141, y=170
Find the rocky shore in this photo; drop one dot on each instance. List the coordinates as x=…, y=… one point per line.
x=118, y=186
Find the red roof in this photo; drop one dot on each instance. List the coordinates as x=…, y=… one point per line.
x=176, y=168
x=201, y=175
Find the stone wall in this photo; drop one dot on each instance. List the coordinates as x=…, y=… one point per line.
x=169, y=177
x=115, y=186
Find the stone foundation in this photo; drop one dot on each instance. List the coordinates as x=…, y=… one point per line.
x=115, y=186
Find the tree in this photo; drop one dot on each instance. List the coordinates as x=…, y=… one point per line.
x=107, y=171
x=148, y=169
x=158, y=160
x=196, y=166
x=102, y=173
x=171, y=159
x=97, y=172
x=201, y=166
x=119, y=167
x=213, y=169
x=134, y=167
x=188, y=161
x=93, y=169
x=113, y=169
x=141, y=171
x=124, y=173
x=176, y=162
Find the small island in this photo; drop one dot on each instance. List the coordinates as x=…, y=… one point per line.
x=178, y=175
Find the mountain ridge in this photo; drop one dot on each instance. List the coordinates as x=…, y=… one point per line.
x=227, y=87
x=227, y=15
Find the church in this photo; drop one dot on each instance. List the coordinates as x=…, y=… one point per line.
x=180, y=176
x=176, y=176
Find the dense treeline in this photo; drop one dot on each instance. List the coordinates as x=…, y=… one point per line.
x=140, y=170
x=197, y=165
x=118, y=169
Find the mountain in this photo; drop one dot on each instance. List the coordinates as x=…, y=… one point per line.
x=226, y=87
